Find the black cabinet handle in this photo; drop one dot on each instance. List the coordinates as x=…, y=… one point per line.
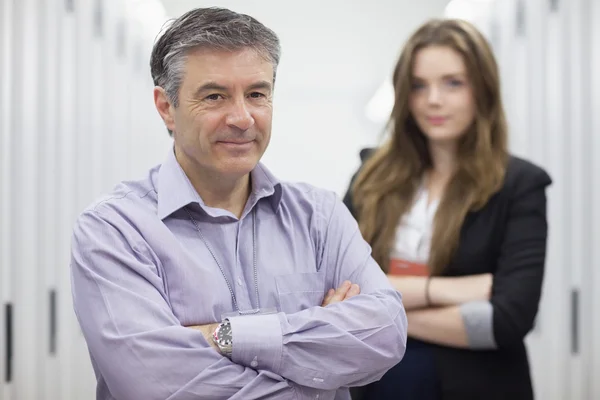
x=8, y=351
x=575, y=321
x=52, y=339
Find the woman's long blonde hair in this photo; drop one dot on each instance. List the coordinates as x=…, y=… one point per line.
x=384, y=188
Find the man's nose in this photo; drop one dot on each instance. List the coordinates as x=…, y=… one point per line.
x=239, y=116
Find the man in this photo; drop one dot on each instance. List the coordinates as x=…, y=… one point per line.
x=209, y=278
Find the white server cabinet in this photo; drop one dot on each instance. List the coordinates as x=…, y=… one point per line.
x=49, y=196
x=132, y=71
x=6, y=330
x=557, y=291
x=76, y=114
x=115, y=100
x=136, y=72
x=148, y=137
x=534, y=12
x=24, y=192
x=137, y=107
x=86, y=84
x=520, y=141
x=503, y=41
x=578, y=175
x=93, y=137
x=593, y=213
x=514, y=31
x=89, y=107
x=562, y=53
x=510, y=37
x=530, y=44
x=67, y=135
x=94, y=88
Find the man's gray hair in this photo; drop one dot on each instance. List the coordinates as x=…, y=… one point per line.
x=211, y=28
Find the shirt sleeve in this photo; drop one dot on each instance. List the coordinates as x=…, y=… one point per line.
x=351, y=343
x=139, y=346
x=478, y=317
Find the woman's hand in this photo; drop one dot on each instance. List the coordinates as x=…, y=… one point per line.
x=448, y=291
x=443, y=291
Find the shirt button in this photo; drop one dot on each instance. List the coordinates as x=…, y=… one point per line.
x=254, y=364
x=240, y=281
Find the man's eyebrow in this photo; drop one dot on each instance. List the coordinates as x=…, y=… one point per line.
x=265, y=85
x=208, y=86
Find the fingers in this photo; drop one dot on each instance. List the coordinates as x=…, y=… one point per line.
x=344, y=292
x=328, y=296
x=340, y=293
x=353, y=291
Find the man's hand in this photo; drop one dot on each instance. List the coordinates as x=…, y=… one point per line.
x=207, y=331
x=344, y=292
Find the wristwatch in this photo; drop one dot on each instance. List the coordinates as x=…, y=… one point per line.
x=223, y=338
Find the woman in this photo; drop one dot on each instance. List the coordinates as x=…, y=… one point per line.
x=457, y=223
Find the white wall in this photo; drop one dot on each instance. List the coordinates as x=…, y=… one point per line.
x=317, y=139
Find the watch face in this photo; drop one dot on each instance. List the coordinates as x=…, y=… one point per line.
x=225, y=333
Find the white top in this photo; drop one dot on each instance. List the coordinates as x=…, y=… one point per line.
x=415, y=229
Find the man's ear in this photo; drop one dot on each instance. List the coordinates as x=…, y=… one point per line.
x=164, y=107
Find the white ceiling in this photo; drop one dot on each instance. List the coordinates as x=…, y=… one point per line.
x=332, y=47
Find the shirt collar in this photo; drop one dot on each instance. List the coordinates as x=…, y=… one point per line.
x=175, y=190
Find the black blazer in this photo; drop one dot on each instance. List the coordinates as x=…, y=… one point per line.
x=507, y=237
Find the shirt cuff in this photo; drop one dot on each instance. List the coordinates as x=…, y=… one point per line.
x=478, y=317
x=257, y=341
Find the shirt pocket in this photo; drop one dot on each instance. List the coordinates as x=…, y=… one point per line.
x=297, y=292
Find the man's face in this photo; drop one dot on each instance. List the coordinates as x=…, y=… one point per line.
x=223, y=122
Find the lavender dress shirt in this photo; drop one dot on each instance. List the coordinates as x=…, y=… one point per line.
x=141, y=273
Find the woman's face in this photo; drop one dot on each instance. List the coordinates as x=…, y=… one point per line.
x=441, y=100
